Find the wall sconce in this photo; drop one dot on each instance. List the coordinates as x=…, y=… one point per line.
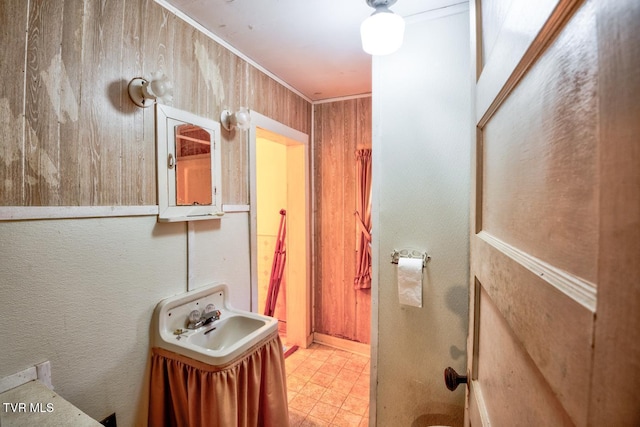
x=241, y=119
x=146, y=92
x=383, y=31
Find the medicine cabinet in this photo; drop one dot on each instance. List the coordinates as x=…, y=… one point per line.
x=188, y=148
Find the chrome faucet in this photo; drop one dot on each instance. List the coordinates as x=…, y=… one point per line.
x=204, y=319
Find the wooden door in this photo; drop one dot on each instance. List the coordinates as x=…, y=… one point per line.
x=555, y=234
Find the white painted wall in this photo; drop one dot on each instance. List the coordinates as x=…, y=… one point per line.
x=421, y=136
x=219, y=252
x=80, y=293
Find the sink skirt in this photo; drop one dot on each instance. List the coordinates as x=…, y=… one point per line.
x=250, y=391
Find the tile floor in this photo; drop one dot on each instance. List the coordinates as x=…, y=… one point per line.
x=327, y=387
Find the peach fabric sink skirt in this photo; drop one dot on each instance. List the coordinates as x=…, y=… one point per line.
x=249, y=391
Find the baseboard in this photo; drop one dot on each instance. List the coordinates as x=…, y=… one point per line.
x=342, y=344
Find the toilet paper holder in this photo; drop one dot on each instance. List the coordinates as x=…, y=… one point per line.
x=409, y=253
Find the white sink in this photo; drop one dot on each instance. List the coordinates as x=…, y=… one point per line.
x=216, y=343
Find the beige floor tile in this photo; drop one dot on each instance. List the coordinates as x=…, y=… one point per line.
x=319, y=354
x=333, y=397
x=341, y=385
x=292, y=365
x=305, y=372
x=346, y=419
x=314, y=422
x=305, y=351
x=360, y=392
x=296, y=357
x=313, y=363
x=355, y=364
x=324, y=411
x=327, y=387
x=302, y=403
x=362, y=382
x=337, y=361
x=296, y=417
x=330, y=369
x=313, y=390
x=351, y=376
x=295, y=383
x=355, y=405
x=343, y=353
x=322, y=379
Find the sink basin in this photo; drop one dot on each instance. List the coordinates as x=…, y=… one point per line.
x=226, y=332
x=217, y=343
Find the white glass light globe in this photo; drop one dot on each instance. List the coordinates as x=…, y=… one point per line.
x=382, y=33
x=243, y=118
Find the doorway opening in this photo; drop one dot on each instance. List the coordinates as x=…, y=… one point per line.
x=280, y=182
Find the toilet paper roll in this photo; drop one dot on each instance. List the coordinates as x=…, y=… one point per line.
x=410, y=281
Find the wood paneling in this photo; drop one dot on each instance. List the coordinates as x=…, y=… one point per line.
x=13, y=21
x=83, y=142
x=341, y=127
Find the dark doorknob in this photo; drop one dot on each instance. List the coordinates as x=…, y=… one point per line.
x=452, y=379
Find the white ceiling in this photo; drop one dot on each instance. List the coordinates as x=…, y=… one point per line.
x=312, y=45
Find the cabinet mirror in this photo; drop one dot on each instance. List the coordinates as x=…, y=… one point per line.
x=188, y=148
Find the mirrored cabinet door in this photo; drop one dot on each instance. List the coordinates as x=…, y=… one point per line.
x=194, y=180
x=188, y=149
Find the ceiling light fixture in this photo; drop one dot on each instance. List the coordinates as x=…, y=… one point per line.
x=383, y=31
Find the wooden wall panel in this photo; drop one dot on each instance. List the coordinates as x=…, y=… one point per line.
x=102, y=118
x=363, y=296
x=340, y=128
x=42, y=75
x=139, y=166
x=156, y=42
x=350, y=141
x=13, y=21
x=84, y=143
x=330, y=285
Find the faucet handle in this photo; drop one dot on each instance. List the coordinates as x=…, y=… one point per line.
x=194, y=319
x=194, y=316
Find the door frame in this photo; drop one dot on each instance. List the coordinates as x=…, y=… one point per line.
x=298, y=321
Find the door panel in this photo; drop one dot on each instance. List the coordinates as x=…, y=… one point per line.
x=537, y=263
x=522, y=34
x=550, y=329
x=539, y=156
x=505, y=370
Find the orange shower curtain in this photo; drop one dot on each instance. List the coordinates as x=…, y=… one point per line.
x=363, y=219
